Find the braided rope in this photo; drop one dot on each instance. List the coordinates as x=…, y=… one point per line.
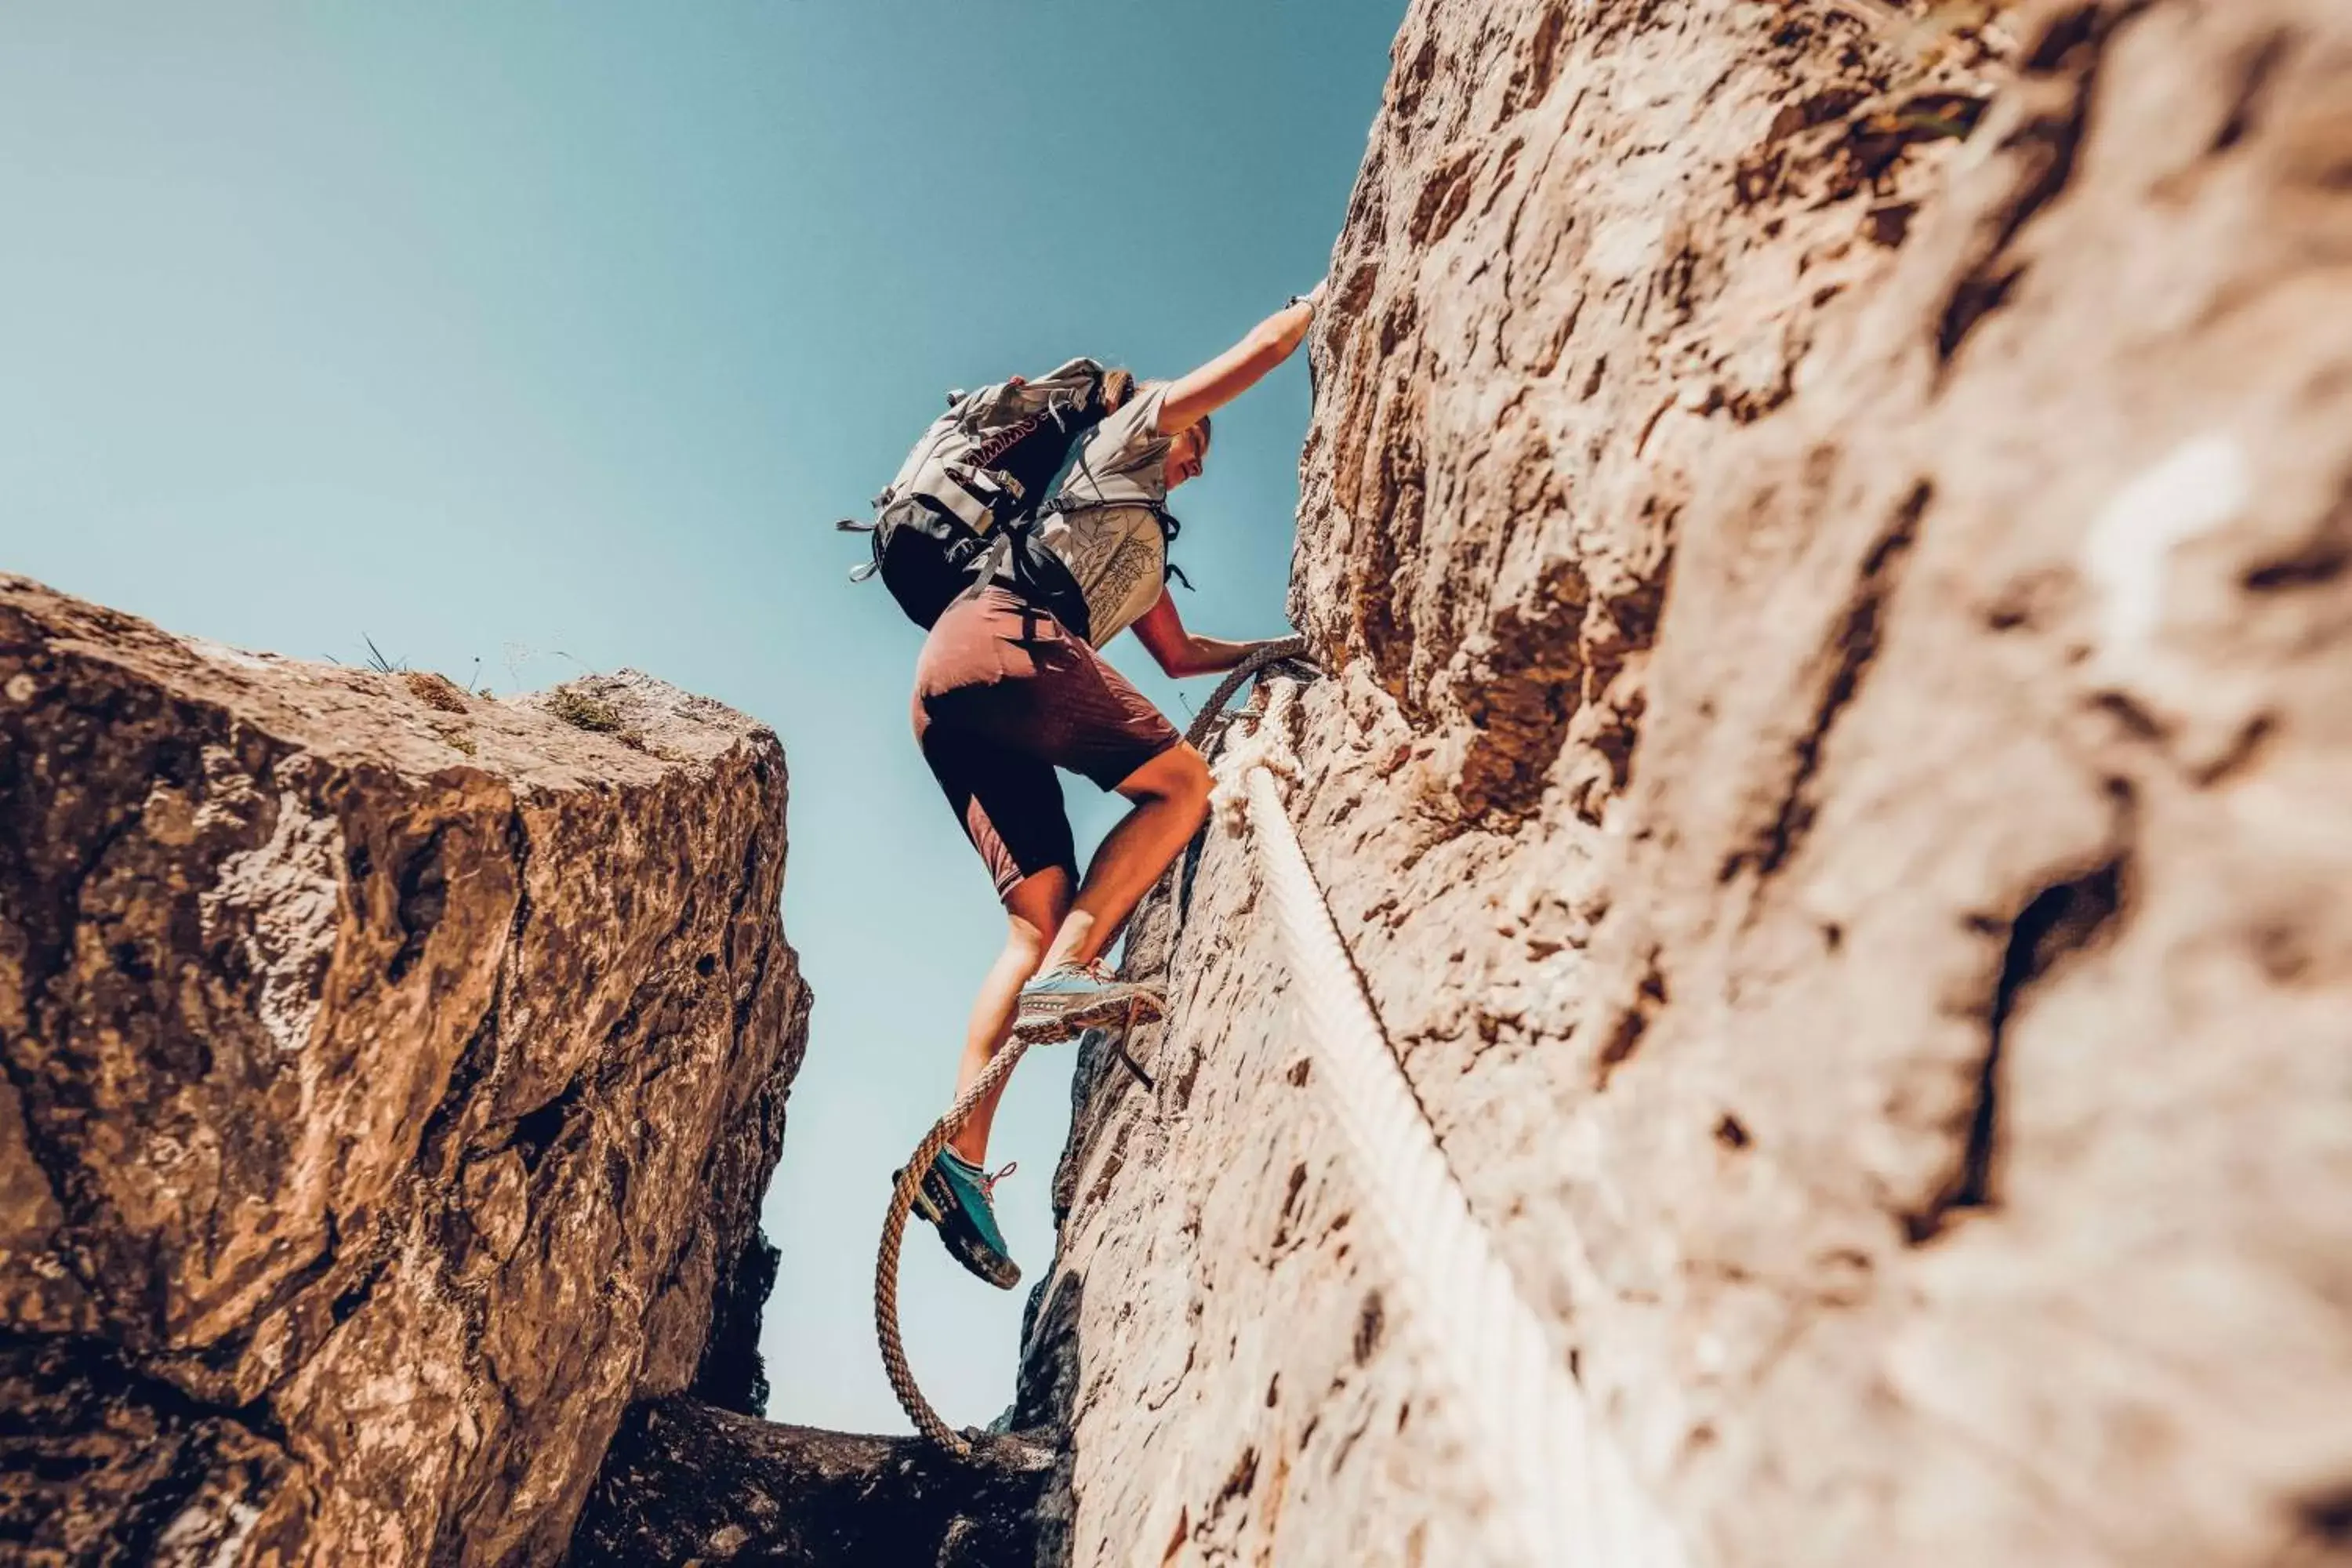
x=1196, y=734
x=1564, y=1492
x=894, y=1232
x=1000, y=1067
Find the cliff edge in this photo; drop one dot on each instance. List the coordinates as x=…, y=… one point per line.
x=392, y=1076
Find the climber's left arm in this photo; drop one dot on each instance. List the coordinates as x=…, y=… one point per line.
x=1191, y=398
x=1180, y=652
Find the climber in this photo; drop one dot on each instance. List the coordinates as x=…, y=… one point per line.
x=1010, y=687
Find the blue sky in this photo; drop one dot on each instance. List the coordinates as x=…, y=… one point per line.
x=554, y=337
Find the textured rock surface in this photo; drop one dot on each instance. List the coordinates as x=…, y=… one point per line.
x=1838, y=773
x=392, y=1078
x=687, y=1482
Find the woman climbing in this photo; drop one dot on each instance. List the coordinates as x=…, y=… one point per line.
x=1010, y=687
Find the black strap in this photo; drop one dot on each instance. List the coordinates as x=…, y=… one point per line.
x=1169, y=529
x=994, y=561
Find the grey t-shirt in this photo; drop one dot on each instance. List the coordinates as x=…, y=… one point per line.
x=1106, y=529
x=1122, y=458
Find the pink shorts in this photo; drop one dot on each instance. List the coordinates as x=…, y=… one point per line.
x=1003, y=695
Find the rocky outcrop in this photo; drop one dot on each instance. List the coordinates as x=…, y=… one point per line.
x=392, y=1076
x=687, y=1483
x=1831, y=529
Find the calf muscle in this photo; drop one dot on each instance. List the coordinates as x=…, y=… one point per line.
x=1035, y=910
x=1172, y=800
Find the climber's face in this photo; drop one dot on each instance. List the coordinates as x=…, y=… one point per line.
x=1187, y=451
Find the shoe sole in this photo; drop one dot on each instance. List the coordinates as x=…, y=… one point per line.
x=965, y=1248
x=1069, y=1021
x=979, y=1270
x=962, y=1245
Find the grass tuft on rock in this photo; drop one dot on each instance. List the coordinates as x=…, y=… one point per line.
x=582, y=711
x=434, y=690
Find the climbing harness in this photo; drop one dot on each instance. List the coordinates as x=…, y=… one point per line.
x=1000, y=1067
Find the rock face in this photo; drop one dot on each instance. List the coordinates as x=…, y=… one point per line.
x=1837, y=773
x=689, y=1483
x=392, y=1078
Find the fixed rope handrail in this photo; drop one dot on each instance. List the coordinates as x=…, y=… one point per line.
x=1565, y=1493
x=902, y=1193
x=1196, y=734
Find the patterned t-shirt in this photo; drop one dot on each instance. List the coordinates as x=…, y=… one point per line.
x=1106, y=528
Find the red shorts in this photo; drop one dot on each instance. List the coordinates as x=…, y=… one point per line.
x=1003, y=695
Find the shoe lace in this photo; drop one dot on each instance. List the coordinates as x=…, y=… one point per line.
x=987, y=1183
x=1096, y=970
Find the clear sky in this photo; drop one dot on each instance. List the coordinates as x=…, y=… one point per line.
x=554, y=336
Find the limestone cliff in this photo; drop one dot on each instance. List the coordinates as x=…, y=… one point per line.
x=1831, y=530
x=392, y=1078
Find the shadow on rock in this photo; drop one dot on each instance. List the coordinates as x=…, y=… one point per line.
x=684, y=1481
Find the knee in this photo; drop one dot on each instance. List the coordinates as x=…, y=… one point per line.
x=1189, y=780
x=1034, y=913
x=1029, y=938
x=1177, y=780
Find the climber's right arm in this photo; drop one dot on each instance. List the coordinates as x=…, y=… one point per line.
x=1192, y=398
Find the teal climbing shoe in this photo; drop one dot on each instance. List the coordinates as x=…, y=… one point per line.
x=956, y=1196
x=1070, y=998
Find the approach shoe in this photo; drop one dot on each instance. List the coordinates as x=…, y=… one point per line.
x=1071, y=998
x=957, y=1196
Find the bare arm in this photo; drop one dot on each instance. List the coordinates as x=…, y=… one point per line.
x=1180, y=652
x=1239, y=368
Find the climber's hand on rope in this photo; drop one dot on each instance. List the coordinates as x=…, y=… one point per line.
x=1179, y=650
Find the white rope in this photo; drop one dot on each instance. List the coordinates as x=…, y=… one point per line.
x=1563, y=1492
x=1564, y=1495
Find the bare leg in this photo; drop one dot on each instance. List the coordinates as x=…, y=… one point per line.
x=1035, y=910
x=1172, y=800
